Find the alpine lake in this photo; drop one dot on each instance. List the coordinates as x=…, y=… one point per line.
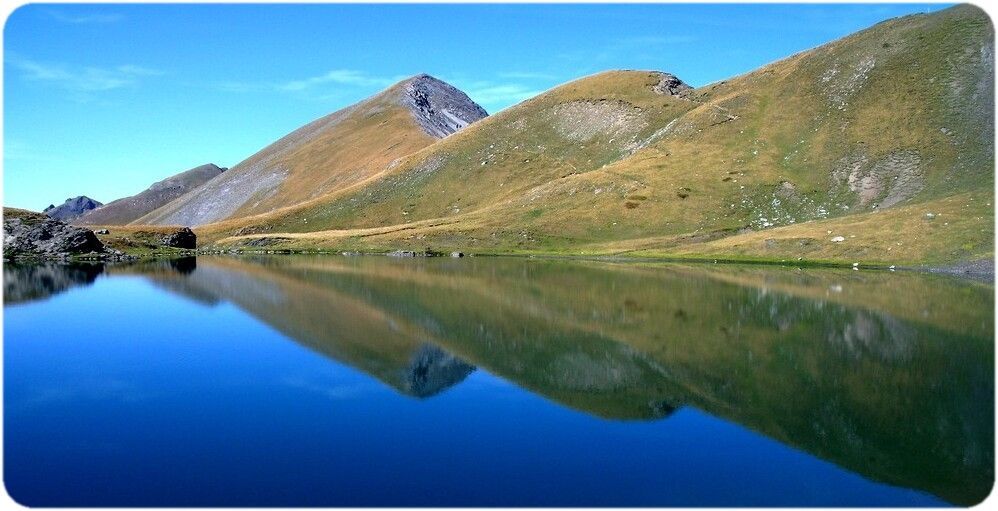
x=485, y=381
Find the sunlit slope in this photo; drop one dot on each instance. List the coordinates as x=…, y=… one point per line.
x=895, y=115
x=573, y=129
x=331, y=153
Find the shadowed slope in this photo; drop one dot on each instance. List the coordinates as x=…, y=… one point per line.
x=128, y=209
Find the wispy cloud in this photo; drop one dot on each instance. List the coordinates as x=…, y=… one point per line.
x=334, y=391
x=338, y=77
x=501, y=95
x=81, y=81
x=64, y=17
x=325, y=86
x=502, y=89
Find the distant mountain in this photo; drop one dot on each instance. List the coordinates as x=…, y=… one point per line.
x=877, y=147
x=72, y=208
x=128, y=209
x=336, y=152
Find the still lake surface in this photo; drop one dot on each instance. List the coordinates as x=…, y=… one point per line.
x=296, y=380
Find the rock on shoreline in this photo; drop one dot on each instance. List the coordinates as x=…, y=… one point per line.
x=48, y=239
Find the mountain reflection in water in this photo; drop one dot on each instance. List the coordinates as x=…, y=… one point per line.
x=888, y=375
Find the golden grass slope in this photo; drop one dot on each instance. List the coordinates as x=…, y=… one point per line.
x=894, y=116
x=331, y=153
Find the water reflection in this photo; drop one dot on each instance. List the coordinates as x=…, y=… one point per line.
x=888, y=375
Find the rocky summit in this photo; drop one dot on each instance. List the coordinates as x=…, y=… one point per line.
x=438, y=107
x=72, y=208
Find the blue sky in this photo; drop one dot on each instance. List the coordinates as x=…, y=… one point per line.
x=103, y=100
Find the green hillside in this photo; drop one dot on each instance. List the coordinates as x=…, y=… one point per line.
x=896, y=116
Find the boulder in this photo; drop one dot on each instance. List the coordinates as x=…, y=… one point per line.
x=48, y=238
x=183, y=238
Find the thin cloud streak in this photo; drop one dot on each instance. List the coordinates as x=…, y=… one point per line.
x=314, y=87
x=86, y=80
x=62, y=17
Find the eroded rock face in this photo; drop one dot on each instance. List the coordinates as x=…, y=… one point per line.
x=670, y=85
x=48, y=238
x=439, y=108
x=72, y=208
x=184, y=238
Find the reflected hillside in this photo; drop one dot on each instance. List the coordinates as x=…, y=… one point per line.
x=30, y=282
x=889, y=375
x=340, y=326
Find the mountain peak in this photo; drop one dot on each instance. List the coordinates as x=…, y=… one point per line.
x=72, y=208
x=438, y=107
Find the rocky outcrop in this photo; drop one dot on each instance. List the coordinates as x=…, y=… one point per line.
x=72, y=208
x=438, y=107
x=34, y=236
x=670, y=85
x=129, y=209
x=184, y=238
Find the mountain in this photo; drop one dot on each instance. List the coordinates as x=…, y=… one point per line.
x=128, y=209
x=72, y=208
x=343, y=149
x=877, y=147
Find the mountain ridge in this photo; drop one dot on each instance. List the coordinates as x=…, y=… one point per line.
x=331, y=152
x=895, y=115
x=128, y=209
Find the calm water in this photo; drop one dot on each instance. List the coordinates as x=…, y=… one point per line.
x=374, y=381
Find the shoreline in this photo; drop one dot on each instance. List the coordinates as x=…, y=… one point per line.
x=980, y=270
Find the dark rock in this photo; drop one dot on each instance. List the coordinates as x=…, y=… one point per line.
x=184, y=238
x=439, y=108
x=72, y=208
x=404, y=253
x=47, y=238
x=670, y=85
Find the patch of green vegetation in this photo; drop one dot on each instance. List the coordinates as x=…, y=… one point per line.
x=606, y=165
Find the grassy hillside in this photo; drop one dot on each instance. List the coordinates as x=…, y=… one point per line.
x=335, y=152
x=890, y=118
